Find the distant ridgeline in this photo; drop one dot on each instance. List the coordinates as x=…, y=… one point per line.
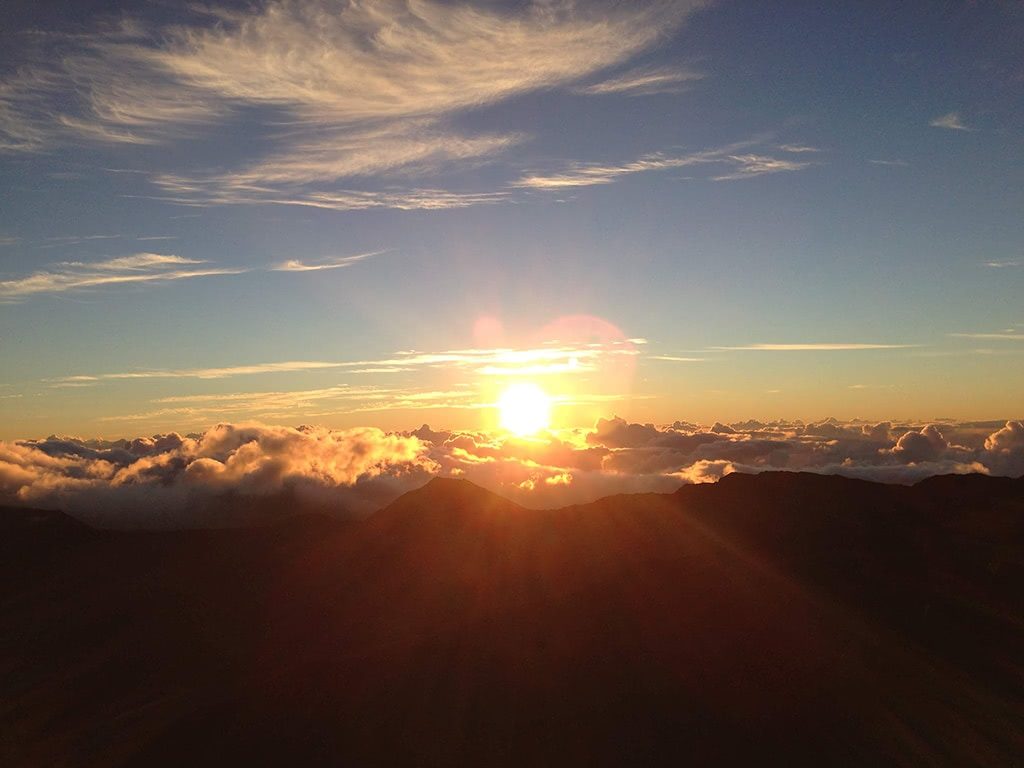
x=774, y=618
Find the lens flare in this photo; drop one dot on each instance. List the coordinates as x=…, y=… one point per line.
x=525, y=409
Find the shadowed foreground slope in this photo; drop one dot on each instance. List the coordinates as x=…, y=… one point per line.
x=778, y=618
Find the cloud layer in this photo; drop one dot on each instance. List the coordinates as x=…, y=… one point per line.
x=358, y=89
x=216, y=478
x=239, y=473
x=353, y=103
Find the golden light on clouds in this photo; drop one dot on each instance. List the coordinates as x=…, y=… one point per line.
x=524, y=409
x=579, y=363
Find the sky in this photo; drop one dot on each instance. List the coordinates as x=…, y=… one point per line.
x=382, y=213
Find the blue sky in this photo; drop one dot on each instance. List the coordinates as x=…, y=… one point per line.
x=260, y=211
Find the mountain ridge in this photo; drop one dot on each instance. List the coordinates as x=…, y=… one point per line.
x=762, y=618
x=956, y=488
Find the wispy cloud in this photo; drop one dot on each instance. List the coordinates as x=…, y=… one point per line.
x=741, y=166
x=749, y=166
x=200, y=193
x=138, y=268
x=950, y=121
x=146, y=268
x=202, y=373
x=424, y=401
x=24, y=96
x=363, y=88
x=537, y=361
x=588, y=175
x=280, y=401
x=1004, y=264
x=251, y=397
x=798, y=149
x=677, y=359
x=72, y=240
x=543, y=360
x=76, y=239
x=815, y=347
x=66, y=241
x=367, y=62
x=282, y=404
x=138, y=261
x=990, y=336
x=643, y=82
x=897, y=163
x=296, y=265
x=305, y=171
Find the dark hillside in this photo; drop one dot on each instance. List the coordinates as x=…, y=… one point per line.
x=778, y=618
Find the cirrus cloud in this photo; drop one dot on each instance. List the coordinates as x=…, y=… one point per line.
x=951, y=121
x=363, y=89
x=643, y=82
x=123, y=270
x=738, y=166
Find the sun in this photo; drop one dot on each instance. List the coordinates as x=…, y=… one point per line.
x=525, y=409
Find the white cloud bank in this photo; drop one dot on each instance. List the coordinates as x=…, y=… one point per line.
x=238, y=473
x=170, y=480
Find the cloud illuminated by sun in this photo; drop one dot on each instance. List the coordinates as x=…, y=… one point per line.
x=524, y=409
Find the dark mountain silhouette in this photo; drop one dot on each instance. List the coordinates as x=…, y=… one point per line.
x=776, y=618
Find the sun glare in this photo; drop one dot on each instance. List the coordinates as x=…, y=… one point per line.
x=524, y=409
